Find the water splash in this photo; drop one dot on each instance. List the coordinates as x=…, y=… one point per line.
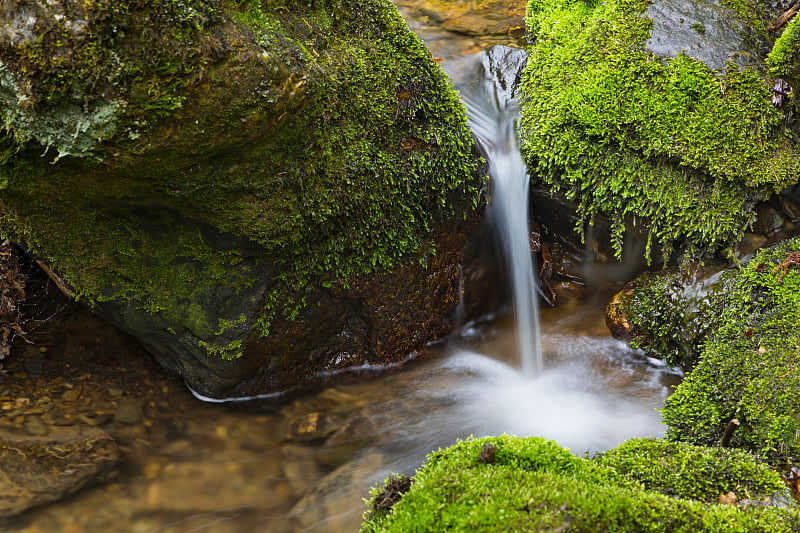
x=492, y=110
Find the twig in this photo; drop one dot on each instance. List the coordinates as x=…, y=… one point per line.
x=729, y=429
x=786, y=17
x=56, y=279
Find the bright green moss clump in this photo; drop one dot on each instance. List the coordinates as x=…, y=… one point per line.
x=783, y=58
x=668, y=144
x=693, y=472
x=749, y=368
x=534, y=485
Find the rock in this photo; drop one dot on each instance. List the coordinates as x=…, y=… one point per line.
x=129, y=410
x=34, y=363
x=768, y=222
x=616, y=314
x=326, y=500
x=477, y=18
x=39, y=469
x=71, y=395
x=34, y=426
x=734, y=332
x=628, y=112
x=705, y=30
x=309, y=160
x=313, y=427
x=668, y=313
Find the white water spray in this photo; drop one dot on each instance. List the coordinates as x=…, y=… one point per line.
x=492, y=111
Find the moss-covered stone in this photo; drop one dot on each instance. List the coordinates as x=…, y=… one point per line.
x=748, y=367
x=534, y=485
x=207, y=160
x=665, y=144
x=668, y=314
x=737, y=331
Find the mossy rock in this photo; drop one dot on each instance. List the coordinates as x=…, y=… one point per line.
x=736, y=332
x=748, y=367
x=509, y=483
x=216, y=175
x=669, y=313
x=661, y=143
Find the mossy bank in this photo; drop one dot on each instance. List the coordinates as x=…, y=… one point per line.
x=658, y=115
x=509, y=483
x=216, y=176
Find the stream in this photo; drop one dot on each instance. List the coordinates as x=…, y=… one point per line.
x=305, y=462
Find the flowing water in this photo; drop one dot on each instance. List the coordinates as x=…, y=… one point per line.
x=492, y=108
x=304, y=463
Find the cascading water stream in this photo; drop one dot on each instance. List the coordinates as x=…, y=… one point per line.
x=492, y=111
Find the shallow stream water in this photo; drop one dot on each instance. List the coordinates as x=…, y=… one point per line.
x=304, y=463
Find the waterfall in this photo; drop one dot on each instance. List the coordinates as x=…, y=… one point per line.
x=492, y=111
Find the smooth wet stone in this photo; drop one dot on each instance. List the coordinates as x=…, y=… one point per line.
x=330, y=499
x=34, y=364
x=34, y=426
x=769, y=221
x=313, y=427
x=704, y=30
x=71, y=395
x=39, y=469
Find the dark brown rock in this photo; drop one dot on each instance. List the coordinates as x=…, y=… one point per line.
x=382, y=318
x=35, y=470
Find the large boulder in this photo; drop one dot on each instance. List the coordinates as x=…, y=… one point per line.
x=658, y=115
x=262, y=193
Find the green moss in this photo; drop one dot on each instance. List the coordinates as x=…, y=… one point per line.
x=534, y=485
x=90, y=72
x=694, y=472
x=783, y=58
x=318, y=136
x=670, y=143
x=748, y=367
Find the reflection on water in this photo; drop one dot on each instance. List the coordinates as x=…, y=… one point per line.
x=304, y=463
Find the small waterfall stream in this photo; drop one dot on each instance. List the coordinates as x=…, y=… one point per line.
x=305, y=462
x=492, y=111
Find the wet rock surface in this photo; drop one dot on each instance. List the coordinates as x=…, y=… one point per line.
x=705, y=30
x=452, y=29
x=50, y=463
x=485, y=17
